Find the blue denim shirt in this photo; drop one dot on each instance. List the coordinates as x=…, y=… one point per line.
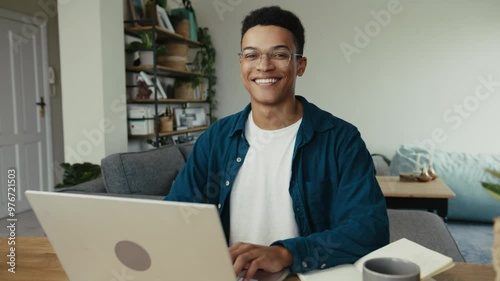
x=339, y=208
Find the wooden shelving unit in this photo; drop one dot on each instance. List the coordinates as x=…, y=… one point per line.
x=161, y=36
x=164, y=35
x=167, y=101
x=197, y=129
x=163, y=71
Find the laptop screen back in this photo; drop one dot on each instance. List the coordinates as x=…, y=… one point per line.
x=124, y=239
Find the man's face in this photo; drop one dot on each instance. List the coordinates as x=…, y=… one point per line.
x=270, y=82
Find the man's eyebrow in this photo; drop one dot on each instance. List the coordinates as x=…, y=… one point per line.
x=272, y=48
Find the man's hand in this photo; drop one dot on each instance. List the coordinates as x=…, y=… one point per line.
x=253, y=257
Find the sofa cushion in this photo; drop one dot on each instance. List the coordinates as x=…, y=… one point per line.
x=462, y=172
x=186, y=149
x=149, y=173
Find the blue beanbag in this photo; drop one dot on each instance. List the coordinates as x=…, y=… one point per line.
x=462, y=172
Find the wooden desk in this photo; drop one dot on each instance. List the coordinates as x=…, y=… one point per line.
x=460, y=272
x=36, y=260
x=431, y=195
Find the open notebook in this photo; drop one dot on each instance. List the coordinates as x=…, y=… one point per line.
x=430, y=262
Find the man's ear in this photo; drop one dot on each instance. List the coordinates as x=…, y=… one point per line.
x=301, y=67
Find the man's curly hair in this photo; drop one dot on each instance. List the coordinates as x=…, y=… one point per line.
x=276, y=16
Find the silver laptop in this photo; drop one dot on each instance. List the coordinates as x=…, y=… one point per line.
x=125, y=239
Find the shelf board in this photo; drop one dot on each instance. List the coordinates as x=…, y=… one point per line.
x=164, y=35
x=163, y=71
x=168, y=101
x=197, y=129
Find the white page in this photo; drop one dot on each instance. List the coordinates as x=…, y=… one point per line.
x=429, y=261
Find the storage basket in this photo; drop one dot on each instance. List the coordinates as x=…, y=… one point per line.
x=175, y=62
x=184, y=91
x=166, y=124
x=182, y=28
x=177, y=49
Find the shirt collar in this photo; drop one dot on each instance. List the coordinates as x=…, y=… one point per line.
x=313, y=120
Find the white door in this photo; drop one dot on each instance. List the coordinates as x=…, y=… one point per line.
x=23, y=142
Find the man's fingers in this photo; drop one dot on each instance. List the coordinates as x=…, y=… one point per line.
x=239, y=249
x=242, y=261
x=254, y=266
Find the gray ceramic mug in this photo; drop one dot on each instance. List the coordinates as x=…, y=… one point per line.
x=390, y=269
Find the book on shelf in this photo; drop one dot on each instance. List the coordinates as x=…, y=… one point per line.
x=161, y=92
x=160, y=21
x=163, y=18
x=430, y=262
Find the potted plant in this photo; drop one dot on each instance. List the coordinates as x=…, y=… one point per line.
x=145, y=48
x=78, y=173
x=184, y=88
x=494, y=190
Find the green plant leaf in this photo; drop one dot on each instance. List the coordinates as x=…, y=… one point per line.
x=493, y=173
x=492, y=189
x=147, y=39
x=78, y=173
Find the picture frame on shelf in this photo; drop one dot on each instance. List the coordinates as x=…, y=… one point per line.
x=190, y=117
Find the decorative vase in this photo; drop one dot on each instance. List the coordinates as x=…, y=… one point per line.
x=147, y=58
x=496, y=247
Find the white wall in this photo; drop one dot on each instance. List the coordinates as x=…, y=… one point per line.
x=93, y=79
x=405, y=86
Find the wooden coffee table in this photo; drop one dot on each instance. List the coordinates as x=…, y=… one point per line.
x=36, y=260
x=431, y=196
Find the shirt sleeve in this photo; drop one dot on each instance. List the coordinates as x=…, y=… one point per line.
x=189, y=185
x=358, y=216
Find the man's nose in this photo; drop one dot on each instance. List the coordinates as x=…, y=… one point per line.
x=265, y=62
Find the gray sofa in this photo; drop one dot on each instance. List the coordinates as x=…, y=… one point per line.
x=150, y=175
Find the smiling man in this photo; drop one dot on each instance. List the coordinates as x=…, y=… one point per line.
x=294, y=185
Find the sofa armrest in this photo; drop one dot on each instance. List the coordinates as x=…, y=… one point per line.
x=93, y=186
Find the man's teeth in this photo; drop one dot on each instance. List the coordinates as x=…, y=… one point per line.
x=266, y=81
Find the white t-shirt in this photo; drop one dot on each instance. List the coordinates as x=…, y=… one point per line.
x=261, y=206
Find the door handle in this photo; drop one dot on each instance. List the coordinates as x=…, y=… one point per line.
x=42, y=107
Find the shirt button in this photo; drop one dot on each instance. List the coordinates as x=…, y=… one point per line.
x=304, y=264
x=238, y=159
x=227, y=183
x=219, y=206
x=323, y=266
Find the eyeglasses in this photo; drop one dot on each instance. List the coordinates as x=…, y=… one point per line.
x=279, y=57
